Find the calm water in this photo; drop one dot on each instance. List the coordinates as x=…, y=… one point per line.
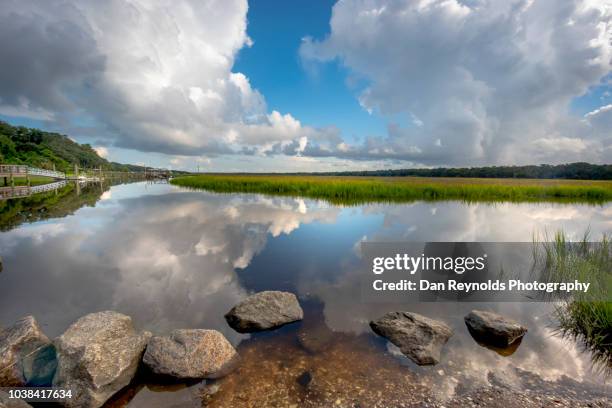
x=172, y=258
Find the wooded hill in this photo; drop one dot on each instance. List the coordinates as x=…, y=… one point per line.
x=34, y=147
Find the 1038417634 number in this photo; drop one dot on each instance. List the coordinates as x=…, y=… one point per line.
x=38, y=394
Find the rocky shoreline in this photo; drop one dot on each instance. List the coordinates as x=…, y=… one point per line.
x=101, y=353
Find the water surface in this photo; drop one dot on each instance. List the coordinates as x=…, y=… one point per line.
x=173, y=258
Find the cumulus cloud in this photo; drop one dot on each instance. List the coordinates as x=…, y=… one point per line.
x=477, y=82
x=102, y=151
x=486, y=81
x=155, y=76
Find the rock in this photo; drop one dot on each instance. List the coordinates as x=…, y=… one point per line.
x=27, y=356
x=263, y=311
x=97, y=356
x=39, y=368
x=6, y=402
x=304, y=379
x=419, y=338
x=494, y=329
x=189, y=354
x=1, y=264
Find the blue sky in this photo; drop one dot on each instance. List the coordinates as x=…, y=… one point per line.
x=314, y=85
x=596, y=96
x=273, y=64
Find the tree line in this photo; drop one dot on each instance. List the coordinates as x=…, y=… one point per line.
x=578, y=171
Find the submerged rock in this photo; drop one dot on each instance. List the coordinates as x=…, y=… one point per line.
x=315, y=338
x=419, y=338
x=1, y=264
x=190, y=354
x=97, y=356
x=27, y=356
x=304, y=379
x=264, y=311
x=6, y=402
x=494, y=329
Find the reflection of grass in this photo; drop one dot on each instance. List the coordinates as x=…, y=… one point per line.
x=353, y=190
x=585, y=316
x=591, y=322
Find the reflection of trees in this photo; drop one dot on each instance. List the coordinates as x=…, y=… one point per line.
x=51, y=204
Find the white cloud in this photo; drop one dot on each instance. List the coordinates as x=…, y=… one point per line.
x=476, y=82
x=484, y=78
x=561, y=144
x=102, y=151
x=156, y=75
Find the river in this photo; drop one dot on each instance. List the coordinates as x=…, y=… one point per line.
x=173, y=258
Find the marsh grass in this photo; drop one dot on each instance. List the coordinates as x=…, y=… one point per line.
x=357, y=190
x=586, y=317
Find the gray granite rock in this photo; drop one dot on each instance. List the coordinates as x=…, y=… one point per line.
x=264, y=311
x=492, y=328
x=419, y=338
x=97, y=356
x=26, y=355
x=190, y=354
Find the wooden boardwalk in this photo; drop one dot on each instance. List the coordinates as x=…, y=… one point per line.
x=7, y=193
x=14, y=170
x=11, y=171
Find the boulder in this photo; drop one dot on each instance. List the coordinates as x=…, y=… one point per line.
x=188, y=354
x=97, y=356
x=6, y=402
x=264, y=311
x=494, y=329
x=27, y=356
x=419, y=338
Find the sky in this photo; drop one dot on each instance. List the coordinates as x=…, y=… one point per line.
x=270, y=85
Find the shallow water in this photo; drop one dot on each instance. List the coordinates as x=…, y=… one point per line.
x=173, y=258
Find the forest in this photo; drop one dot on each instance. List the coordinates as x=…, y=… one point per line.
x=574, y=171
x=37, y=148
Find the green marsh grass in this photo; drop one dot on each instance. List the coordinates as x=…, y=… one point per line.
x=586, y=317
x=356, y=190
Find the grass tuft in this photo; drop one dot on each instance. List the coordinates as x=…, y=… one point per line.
x=586, y=317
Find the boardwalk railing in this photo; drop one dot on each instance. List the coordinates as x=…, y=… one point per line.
x=48, y=173
x=18, y=170
x=7, y=193
x=48, y=187
x=15, y=170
